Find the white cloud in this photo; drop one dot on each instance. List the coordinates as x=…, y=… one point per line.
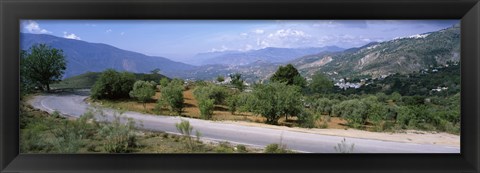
x=122, y=33
x=33, y=27
x=286, y=38
x=70, y=36
x=108, y=30
x=259, y=31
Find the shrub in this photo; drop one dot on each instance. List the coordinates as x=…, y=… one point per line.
x=307, y=119
x=113, y=85
x=241, y=148
x=143, y=92
x=275, y=148
x=224, y=147
x=186, y=130
x=119, y=137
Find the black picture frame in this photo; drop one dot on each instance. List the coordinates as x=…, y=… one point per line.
x=12, y=11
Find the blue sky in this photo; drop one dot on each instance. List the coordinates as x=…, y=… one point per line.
x=181, y=39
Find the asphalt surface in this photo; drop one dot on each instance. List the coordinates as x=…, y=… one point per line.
x=73, y=104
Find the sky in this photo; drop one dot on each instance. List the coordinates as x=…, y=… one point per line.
x=181, y=39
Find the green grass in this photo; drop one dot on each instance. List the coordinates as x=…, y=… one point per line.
x=85, y=80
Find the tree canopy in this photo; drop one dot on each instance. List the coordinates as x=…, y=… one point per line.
x=43, y=65
x=275, y=100
x=142, y=91
x=113, y=85
x=289, y=75
x=320, y=84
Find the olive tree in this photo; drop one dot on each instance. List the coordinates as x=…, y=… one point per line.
x=172, y=94
x=142, y=91
x=275, y=100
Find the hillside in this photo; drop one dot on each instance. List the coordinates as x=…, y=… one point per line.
x=442, y=80
x=87, y=80
x=401, y=55
x=84, y=56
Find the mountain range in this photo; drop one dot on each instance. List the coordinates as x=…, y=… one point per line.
x=376, y=59
x=269, y=54
x=400, y=55
x=85, y=57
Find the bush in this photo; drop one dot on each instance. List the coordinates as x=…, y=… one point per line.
x=186, y=130
x=307, y=119
x=143, y=92
x=119, y=137
x=224, y=147
x=241, y=148
x=113, y=85
x=52, y=133
x=172, y=95
x=275, y=148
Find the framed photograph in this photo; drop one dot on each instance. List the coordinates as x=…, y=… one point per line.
x=239, y=86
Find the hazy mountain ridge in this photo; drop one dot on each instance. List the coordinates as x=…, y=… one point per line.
x=269, y=54
x=84, y=56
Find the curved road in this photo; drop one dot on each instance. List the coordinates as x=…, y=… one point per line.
x=73, y=104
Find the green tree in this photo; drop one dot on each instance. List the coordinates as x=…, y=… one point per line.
x=172, y=94
x=206, y=107
x=352, y=110
x=44, y=65
x=142, y=91
x=237, y=81
x=289, y=75
x=211, y=91
x=324, y=105
x=275, y=100
x=113, y=85
x=320, y=83
x=220, y=79
x=164, y=82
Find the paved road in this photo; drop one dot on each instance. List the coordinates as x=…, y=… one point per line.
x=73, y=104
